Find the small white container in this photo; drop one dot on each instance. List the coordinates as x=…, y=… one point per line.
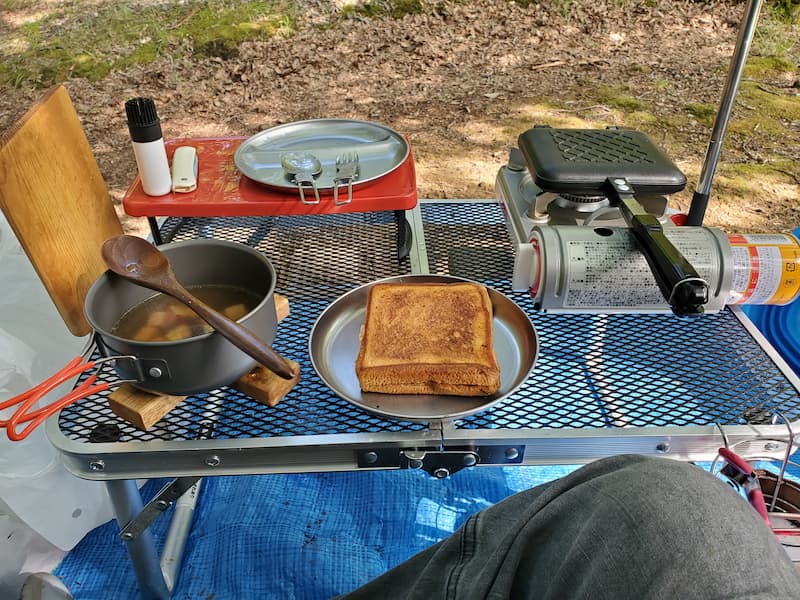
x=148, y=146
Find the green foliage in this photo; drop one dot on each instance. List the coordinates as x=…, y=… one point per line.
x=379, y=8
x=73, y=41
x=704, y=113
x=776, y=34
x=787, y=11
x=617, y=98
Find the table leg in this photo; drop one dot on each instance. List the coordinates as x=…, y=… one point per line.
x=155, y=231
x=127, y=503
x=403, y=235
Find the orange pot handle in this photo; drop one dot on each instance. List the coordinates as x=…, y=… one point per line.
x=26, y=400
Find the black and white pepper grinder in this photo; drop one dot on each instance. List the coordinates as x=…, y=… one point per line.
x=148, y=146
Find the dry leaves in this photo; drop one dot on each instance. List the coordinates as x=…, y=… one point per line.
x=459, y=80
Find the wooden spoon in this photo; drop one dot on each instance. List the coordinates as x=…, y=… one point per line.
x=138, y=261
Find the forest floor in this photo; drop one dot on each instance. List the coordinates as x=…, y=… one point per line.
x=464, y=79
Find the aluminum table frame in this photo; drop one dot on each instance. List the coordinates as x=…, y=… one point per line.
x=603, y=384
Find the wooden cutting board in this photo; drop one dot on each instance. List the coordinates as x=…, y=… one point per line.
x=56, y=201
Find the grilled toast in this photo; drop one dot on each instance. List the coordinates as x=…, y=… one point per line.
x=428, y=338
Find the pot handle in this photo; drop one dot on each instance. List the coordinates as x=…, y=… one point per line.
x=27, y=399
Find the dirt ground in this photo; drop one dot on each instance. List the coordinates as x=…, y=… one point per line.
x=462, y=80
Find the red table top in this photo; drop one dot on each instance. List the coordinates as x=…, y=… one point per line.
x=223, y=191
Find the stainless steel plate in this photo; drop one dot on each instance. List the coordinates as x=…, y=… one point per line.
x=335, y=341
x=380, y=150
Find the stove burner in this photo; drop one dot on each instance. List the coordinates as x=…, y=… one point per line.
x=570, y=206
x=576, y=199
x=625, y=165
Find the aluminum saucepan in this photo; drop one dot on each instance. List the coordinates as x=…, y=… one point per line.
x=180, y=367
x=199, y=363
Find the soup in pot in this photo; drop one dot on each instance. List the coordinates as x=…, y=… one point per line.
x=162, y=318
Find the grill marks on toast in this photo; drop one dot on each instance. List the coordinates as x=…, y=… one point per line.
x=428, y=338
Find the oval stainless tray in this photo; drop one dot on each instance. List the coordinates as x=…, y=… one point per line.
x=380, y=150
x=335, y=341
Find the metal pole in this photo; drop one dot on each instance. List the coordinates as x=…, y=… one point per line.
x=127, y=504
x=747, y=28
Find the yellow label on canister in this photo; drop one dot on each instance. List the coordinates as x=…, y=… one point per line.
x=766, y=268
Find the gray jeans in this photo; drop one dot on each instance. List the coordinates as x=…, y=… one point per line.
x=622, y=527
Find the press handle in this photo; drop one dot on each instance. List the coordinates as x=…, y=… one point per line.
x=680, y=284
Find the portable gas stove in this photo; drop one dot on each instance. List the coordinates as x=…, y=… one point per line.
x=604, y=178
x=587, y=214
x=586, y=211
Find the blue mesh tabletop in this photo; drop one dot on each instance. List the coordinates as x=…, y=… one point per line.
x=593, y=371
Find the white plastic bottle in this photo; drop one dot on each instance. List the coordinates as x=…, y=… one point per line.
x=148, y=146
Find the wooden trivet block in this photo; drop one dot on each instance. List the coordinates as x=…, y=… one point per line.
x=144, y=409
x=139, y=408
x=281, y=306
x=264, y=386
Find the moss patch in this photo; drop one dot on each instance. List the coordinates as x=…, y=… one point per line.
x=749, y=184
x=755, y=125
x=767, y=67
x=363, y=9
x=750, y=177
x=768, y=103
x=618, y=98
x=113, y=36
x=704, y=113
x=378, y=8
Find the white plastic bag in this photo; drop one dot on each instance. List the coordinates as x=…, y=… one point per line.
x=34, y=343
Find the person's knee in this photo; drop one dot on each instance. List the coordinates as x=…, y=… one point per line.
x=649, y=470
x=670, y=494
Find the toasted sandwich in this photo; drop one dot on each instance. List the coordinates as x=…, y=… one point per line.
x=428, y=338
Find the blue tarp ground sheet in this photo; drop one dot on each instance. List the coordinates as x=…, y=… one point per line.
x=303, y=536
x=307, y=536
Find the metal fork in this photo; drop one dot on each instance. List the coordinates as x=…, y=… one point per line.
x=346, y=172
